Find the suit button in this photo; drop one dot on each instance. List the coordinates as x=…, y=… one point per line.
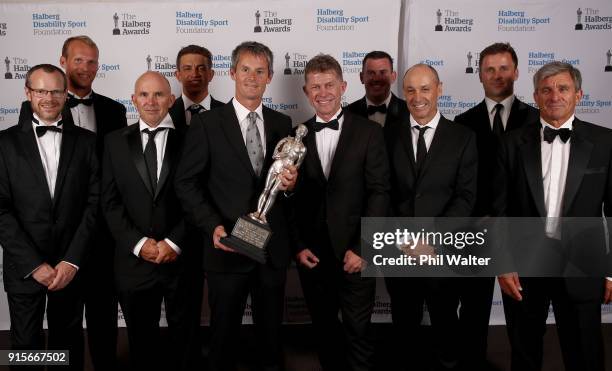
x=418, y=195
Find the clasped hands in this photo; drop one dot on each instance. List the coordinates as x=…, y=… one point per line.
x=157, y=252
x=54, y=279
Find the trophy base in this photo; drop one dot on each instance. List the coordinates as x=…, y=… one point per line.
x=578, y=26
x=608, y=69
x=8, y=75
x=469, y=70
x=249, y=237
x=438, y=27
x=116, y=31
x=287, y=71
x=257, y=29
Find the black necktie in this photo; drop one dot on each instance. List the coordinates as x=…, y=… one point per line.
x=498, y=126
x=373, y=109
x=150, y=155
x=550, y=134
x=43, y=129
x=333, y=124
x=421, y=147
x=194, y=109
x=74, y=101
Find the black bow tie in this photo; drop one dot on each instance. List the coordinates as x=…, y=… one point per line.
x=333, y=124
x=550, y=134
x=74, y=101
x=43, y=129
x=373, y=109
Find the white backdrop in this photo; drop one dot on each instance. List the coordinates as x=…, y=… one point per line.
x=33, y=33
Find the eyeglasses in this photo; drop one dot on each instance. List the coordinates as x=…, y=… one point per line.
x=41, y=93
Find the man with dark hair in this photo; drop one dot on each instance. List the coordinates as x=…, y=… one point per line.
x=194, y=72
x=500, y=111
x=49, y=191
x=557, y=167
x=345, y=177
x=379, y=104
x=222, y=171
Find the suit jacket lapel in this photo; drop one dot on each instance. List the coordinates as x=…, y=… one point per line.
x=517, y=115
x=405, y=133
x=231, y=128
x=32, y=154
x=392, y=110
x=66, y=151
x=312, y=161
x=346, y=135
x=531, y=154
x=441, y=136
x=168, y=161
x=580, y=153
x=271, y=138
x=135, y=144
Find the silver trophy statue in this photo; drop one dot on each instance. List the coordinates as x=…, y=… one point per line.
x=251, y=233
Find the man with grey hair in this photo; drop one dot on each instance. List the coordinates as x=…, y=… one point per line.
x=558, y=166
x=222, y=171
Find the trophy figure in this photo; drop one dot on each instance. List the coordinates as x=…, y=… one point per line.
x=439, y=16
x=257, y=26
x=469, y=68
x=9, y=75
x=116, y=30
x=608, y=65
x=578, y=15
x=149, y=62
x=252, y=232
x=287, y=69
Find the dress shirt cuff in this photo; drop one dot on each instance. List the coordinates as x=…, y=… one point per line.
x=174, y=247
x=139, y=246
x=31, y=273
x=609, y=279
x=74, y=265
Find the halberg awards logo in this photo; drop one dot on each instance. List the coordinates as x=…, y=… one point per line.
x=19, y=70
x=439, y=17
x=149, y=60
x=469, y=68
x=592, y=20
x=257, y=26
x=130, y=25
x=578, y=22
x=161, y=64
x=452, y=21
x=295, y=63
x=8, y=75
x=608, y=67
x=287, y=70
x=271, y=22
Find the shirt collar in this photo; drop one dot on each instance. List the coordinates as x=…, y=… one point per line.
x=89, y=95
x=386, y=102
x=566, y=125
x=188, y=102
x=42, y=123
x=165, y=123
x=242, y=112
x=432, y=124
x=507, y=103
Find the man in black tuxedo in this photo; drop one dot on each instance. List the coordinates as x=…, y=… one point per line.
x=146, y=221
x=221, y=173
x=500, y=111
x=557, y=166
x=379, y=104
x=49, y=190
x=433, y=174
x=194, y=72
x=101, y=115
x=344, y=177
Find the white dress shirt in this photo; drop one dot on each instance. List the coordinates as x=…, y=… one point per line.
x=428, y=135
x=242, y=114
x=188, y=103
x=505, y=113
x=327, y=141
x=82, y=115
x=377, y=116
x=555, y=159
x=160, y=145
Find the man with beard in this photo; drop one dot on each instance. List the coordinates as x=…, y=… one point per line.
x=194, y=72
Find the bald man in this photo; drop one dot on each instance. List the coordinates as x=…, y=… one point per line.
x=146, y=221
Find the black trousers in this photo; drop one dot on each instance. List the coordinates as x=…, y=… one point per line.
x=578, y=320
x=227, y=297
x=141, y=308
x=64, y=320
x=407, y=298
x=328, y=290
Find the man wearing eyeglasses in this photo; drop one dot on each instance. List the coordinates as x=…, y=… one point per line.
x=48, y=204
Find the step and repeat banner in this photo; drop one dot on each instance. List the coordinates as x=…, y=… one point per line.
x=133, y=38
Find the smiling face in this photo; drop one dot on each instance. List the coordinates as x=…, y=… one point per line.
x=377, y=76
x=251, y=77
x=498, y=74
x=556, y=96
x=47, y=95
x=81, y=66
x=152, y=98
x=421, y=90
x=194, y=75
x=324, y=91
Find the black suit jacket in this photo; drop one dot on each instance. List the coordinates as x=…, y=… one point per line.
x=588, y=186
x=177, y=111
x=395, y=111
x=216, y=184
x=477, y=119
x=446, y=185
x=35, y=228
x=357, y=186
x=134, y=211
